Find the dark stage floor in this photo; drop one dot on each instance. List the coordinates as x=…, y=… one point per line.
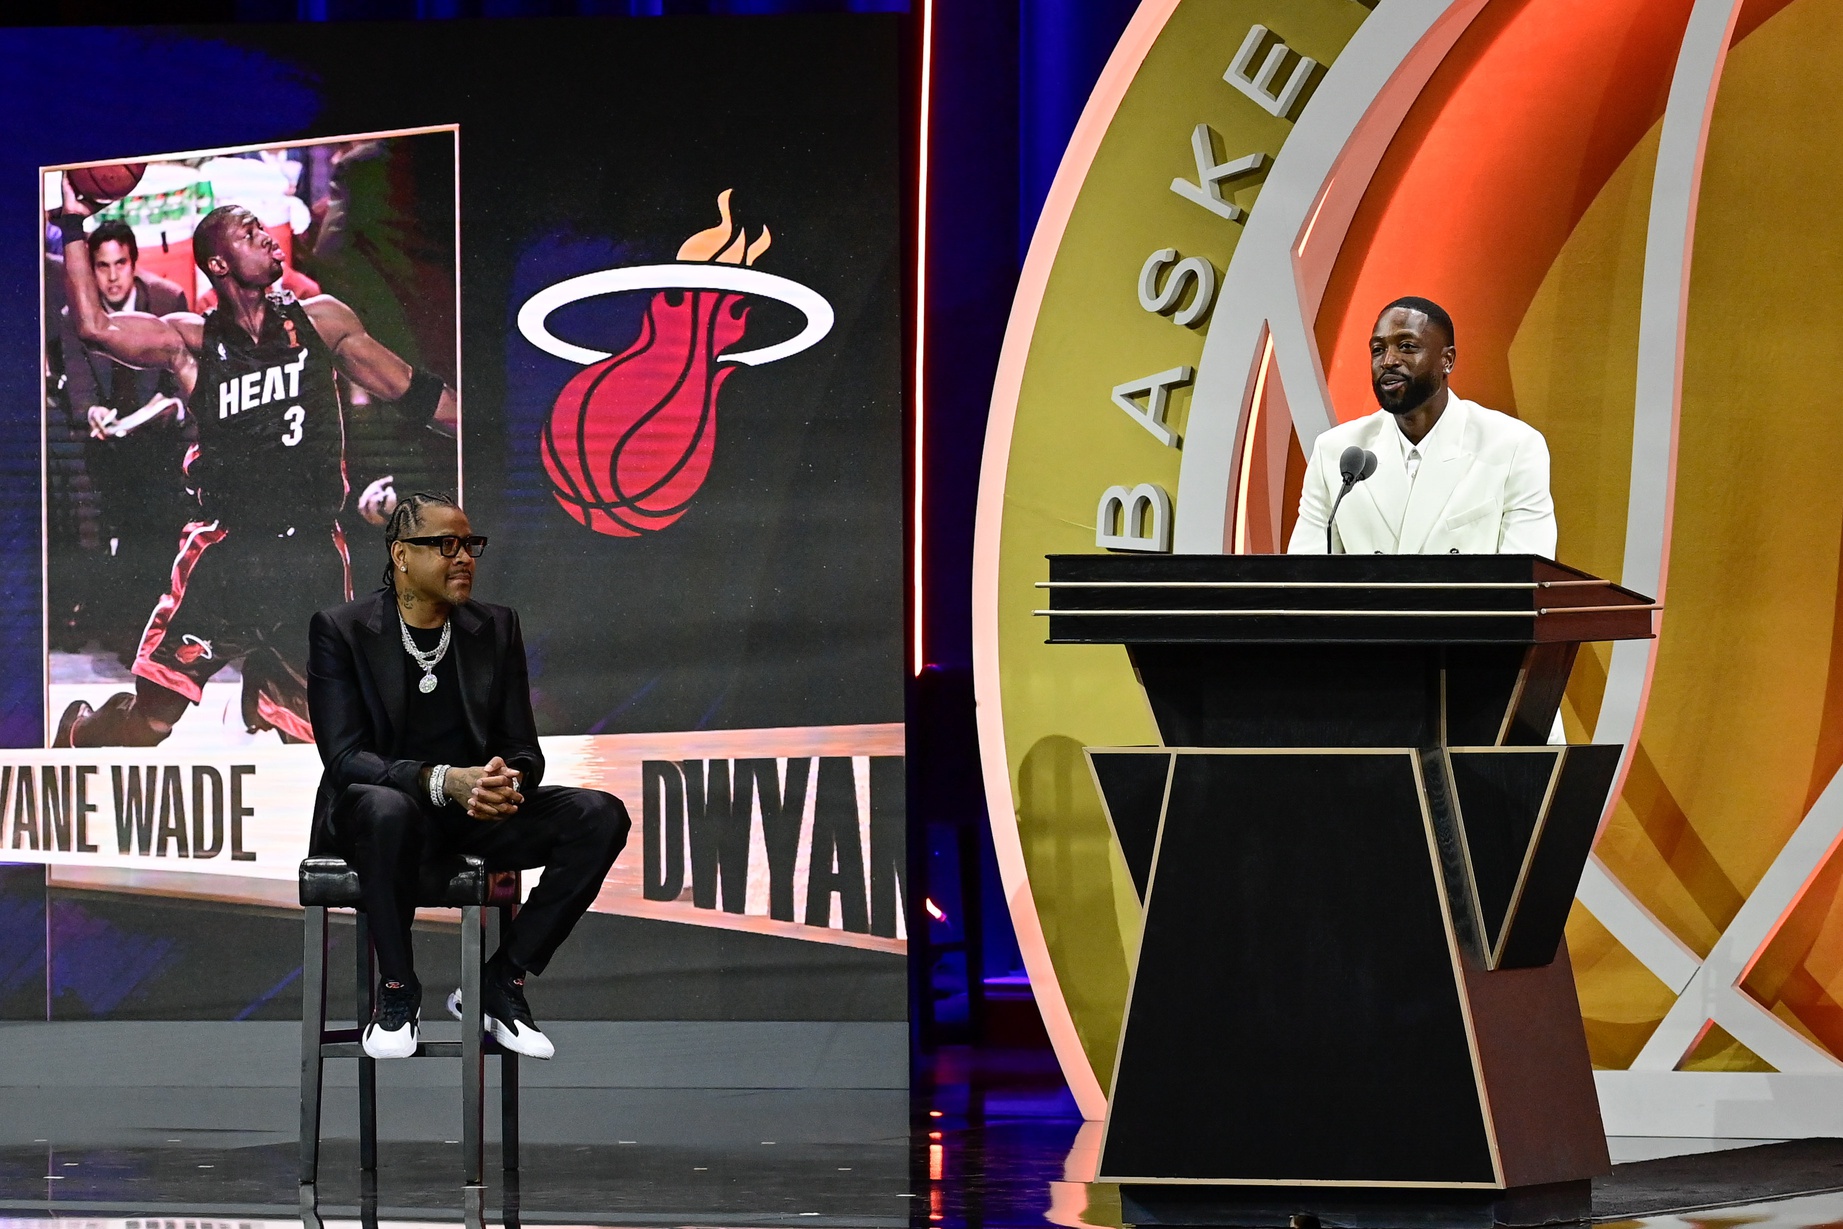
x=990, y=1138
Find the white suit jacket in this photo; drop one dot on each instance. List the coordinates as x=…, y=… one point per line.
x=1482, y=488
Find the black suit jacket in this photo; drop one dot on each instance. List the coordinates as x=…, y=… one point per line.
x=90, y=372
x=356, y=695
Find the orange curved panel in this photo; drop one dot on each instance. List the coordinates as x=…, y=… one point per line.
x=1499, y=158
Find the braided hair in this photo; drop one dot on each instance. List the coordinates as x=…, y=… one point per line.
x=404, y=521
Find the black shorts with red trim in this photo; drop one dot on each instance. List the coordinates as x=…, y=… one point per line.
x=237, y=590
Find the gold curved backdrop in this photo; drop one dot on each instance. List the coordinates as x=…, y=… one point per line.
x=1518, y=181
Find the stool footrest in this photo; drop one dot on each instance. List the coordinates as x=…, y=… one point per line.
x=353, y=1048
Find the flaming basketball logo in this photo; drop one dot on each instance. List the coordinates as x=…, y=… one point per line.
x=630, y=438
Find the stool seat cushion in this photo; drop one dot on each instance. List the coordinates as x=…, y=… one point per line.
x=450, y=881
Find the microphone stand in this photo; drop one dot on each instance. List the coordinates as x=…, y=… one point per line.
x=1350, y=482
x=1355, y=465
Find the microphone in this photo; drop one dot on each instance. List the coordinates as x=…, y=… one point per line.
x=1355, y=465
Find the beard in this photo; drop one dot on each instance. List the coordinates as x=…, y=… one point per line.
x=1410, y=395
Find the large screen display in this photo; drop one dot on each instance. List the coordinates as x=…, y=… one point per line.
x=667, y=303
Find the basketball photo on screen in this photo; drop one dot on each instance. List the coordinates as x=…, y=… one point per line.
x=248, y=354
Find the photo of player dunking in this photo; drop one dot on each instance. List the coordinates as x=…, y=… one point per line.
x=259, y=374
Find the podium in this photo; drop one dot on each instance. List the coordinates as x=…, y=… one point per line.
x=1355, y=851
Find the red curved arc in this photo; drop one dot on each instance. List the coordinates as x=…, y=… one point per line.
x=688, y=311
x=709, y=342
x=577, y=392
x=677, y=314
x=1512, y=139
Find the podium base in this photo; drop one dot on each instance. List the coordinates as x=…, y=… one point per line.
x=1308, y=1207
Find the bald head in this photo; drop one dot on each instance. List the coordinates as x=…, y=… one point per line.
x=230, y=245
x=209, y=237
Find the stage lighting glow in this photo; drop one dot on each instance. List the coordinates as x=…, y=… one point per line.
x=919, y=658
x=1250, y=434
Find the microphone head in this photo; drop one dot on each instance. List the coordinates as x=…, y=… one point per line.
x=1350, y=465
x=1369, y=465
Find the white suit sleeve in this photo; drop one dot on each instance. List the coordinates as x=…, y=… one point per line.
x=1314, y=510
x=1528, y=525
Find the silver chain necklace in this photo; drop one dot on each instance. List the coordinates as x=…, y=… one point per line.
x=428, y=661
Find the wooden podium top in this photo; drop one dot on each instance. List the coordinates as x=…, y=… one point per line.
x=1345, y=599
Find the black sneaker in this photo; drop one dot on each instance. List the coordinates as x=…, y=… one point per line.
x=506, y=1013
x=396, y=1022
x=75, y=715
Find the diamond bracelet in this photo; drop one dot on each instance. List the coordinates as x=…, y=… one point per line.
x=438, y=777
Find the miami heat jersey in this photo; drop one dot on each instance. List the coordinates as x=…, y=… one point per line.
x=271, y=434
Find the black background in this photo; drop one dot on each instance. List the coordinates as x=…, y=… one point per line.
x=776, y=600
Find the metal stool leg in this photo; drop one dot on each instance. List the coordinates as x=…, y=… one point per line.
x=508, y=1110
x=364, y=992
x=509, y=1201
x=473, y=1058
x=313, y=1022
x=496, y=920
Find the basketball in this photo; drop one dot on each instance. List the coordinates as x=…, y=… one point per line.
x=106, y=183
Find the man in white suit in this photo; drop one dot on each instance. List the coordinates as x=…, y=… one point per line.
x=1451, y=476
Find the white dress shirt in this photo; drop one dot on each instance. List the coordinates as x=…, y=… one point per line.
x=1412, y=452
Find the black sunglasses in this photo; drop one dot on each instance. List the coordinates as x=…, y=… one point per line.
x=450, y=545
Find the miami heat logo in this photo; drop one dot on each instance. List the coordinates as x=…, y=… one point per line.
x=630, y=438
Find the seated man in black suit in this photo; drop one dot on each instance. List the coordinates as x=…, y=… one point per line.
x=422, y=712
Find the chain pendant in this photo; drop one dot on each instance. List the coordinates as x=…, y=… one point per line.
x=427, y=661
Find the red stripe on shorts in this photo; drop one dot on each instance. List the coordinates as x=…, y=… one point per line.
x=345, y=556
x=194, y=541
x=284, y=719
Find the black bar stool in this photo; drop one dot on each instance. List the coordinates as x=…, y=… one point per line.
x=451, y=882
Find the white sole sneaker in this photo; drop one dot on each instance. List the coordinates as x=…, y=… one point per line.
x=392, y=1043
x=529, y=1042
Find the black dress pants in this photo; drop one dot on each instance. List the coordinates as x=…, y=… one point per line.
x=574, y=834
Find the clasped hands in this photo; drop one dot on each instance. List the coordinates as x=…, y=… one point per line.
x=487, y=792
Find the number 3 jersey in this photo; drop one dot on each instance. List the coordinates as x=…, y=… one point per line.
x=271, y=432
